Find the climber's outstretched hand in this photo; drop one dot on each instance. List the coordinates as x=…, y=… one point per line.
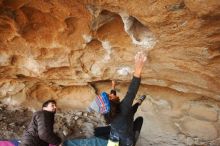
x=140, y=59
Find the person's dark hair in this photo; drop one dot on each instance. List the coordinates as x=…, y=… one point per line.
x=45, y=104
x=113, y=92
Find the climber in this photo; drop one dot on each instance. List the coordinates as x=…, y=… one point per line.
x=104, y=131
x=122, y=129
x=40, y=130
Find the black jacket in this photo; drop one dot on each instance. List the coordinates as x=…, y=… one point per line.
x=122, y=124
x=40, y=130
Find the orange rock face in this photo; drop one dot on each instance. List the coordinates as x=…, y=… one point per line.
x=57, y=49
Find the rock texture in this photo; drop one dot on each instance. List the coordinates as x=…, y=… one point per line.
x=69, y=50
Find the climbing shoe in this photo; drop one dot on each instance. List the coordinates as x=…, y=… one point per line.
x=141, y=99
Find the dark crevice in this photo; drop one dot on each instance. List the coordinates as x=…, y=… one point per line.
x=7, y=12
x=139, y=33
x=103, y=18
x=70, y=23
x=176, y=7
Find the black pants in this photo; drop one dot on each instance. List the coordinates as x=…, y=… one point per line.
x=137, y=128
x=103, y=132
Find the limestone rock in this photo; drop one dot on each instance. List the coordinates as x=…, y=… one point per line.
x=201, y=129
x=203, y=112
x=42, y=92
x=10, y=87
x=69, y=50
x=189, y=141
x=76, y=96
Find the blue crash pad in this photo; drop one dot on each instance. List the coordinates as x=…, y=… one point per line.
x=93, y=141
